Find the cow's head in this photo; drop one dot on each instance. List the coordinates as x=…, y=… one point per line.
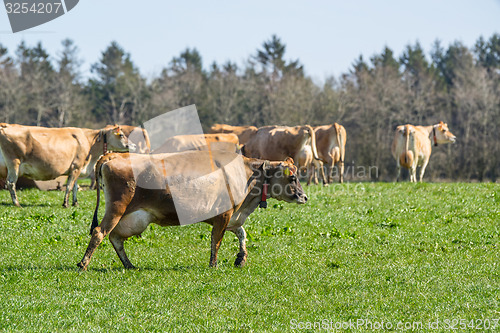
x=117, y=140
x=443, y=134
x=284, y=182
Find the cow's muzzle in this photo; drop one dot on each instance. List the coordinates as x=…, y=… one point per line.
x=301, y=198
x=131, y=147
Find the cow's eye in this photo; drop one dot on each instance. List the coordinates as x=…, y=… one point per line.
x=293, y=178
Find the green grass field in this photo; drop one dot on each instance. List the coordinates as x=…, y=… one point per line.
x=376, y=252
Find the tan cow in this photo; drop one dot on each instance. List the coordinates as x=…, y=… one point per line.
x=244, y=133
x=42, y=153
x=305, y=158
x=130, y=208
x=330, y=142
x=412, y=147
x=276, y=143
x=140, y=138
x=220, y=141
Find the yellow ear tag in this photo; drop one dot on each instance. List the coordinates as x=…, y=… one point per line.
x=287, y=172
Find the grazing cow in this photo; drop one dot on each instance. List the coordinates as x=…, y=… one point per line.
x=244, y=133
x=330, y=142
x=412, y=146
x=42, y=153
x=130, y=207
x=219, y=141
x=276, y=143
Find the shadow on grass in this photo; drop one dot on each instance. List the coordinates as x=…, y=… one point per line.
x=10, y=204
x=22, y=268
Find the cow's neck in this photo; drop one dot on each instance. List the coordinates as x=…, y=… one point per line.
x=431, y=134
x=253, y=198
x=96, y=147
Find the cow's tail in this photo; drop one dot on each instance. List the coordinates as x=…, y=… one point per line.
x=97, y=173
x=341, y=141
x=313, y=141
x=147, y=141
x=406, y=158
x=95, y=221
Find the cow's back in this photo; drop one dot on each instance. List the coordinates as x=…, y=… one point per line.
x=276, y=143
x=43, y=153
x=244, y=133
x=158, y=179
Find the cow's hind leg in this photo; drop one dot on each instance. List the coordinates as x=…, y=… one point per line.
x=340, y=166
x=311, y=171
x=241, y=258
x=75, y=191
x=422, y=169
x=322, y=171
x=218, y=230
x=114, y=213
x=398, y=171
x=117, y=242
x=132, y=224
x=72, y=177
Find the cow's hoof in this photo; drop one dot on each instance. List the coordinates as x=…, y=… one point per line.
x=326, y=184
x=240, y=262
x=65, y=205
x=75, y=204
x=82, y=266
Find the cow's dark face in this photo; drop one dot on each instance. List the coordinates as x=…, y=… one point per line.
x=284, y=183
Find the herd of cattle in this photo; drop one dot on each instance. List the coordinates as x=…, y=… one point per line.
x=118, y=156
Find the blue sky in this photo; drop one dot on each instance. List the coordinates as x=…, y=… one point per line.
x=327, y=36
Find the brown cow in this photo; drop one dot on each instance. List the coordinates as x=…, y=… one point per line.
x=131, y=207
x=219, y=141
x=276, y=143
x=244, y=133
x=412, y=146
x=330, y=142
x=42, y=153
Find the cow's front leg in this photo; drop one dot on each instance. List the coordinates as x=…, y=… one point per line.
x=241, y=258
x=218, y=230
x=75, y=191
x=12, y=175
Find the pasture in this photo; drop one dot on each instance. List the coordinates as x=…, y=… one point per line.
x=373, y=251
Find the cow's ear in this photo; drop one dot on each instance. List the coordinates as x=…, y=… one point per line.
x=117, y=129
x=289, y=160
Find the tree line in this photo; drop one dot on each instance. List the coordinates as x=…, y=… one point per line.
x=457, y=84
